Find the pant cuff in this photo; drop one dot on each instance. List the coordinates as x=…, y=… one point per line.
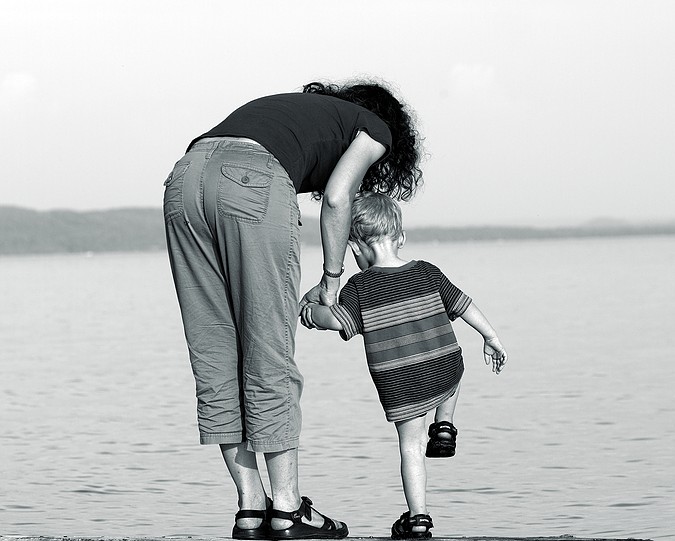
x=209, y=439
x=272, y=446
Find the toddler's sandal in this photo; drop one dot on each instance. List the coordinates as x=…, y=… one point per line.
x=403, y=527
x=442, y=440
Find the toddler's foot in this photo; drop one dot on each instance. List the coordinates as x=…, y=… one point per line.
x=408, y=527
x=442, y=440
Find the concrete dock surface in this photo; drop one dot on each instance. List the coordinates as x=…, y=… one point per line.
x=189, y=538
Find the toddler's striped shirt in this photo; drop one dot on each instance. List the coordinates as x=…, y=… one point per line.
x=404, y=314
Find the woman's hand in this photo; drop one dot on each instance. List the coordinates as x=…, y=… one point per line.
x=325, y=292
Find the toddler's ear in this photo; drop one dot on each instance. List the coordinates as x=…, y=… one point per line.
x=401, y=240
x=354, y=246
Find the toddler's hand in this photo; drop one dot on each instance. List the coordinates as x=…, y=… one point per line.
x=494, y=353
x=306, y=317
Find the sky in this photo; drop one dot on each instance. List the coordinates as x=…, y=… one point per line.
x=533, y=112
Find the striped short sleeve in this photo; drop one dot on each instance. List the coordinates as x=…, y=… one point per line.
x=455, y=300
x=348, y=311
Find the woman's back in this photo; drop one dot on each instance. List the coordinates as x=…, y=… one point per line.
x=307, y=133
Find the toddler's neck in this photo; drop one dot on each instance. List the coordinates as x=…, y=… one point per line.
x=386, y=255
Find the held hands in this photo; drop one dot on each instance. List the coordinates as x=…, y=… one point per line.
x=494, y=352
x=306, y=317
x=325, y=292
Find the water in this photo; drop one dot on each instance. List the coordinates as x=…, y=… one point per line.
x=576, y=436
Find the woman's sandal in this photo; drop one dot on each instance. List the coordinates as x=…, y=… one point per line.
x=330, y=529
x=261, y=532
x=403, y=527
x=442, y=446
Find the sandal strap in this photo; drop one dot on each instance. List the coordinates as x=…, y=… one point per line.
x=420, y=520
x=442, y=426
x=305, y=510
x=403, y=527
x=249, y=513
x=254, y=513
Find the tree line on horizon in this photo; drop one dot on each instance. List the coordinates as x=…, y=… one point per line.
x=25, y=231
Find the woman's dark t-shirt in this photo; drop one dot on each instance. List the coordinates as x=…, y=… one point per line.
x=307, y=133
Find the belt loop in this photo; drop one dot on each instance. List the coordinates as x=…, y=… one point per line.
x=214, y=147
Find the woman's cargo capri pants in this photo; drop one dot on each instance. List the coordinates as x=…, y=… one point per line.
x=231, y=217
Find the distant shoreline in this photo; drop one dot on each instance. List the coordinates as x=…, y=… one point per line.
x=31, y=232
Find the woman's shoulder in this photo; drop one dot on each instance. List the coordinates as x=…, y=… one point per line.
x=317, y=106
x=285, y=98
x=298, y=97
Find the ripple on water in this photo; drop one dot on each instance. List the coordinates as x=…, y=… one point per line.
x=103, y=442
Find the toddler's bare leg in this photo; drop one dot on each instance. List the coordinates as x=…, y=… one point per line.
x=412, y=440
x=446, y=411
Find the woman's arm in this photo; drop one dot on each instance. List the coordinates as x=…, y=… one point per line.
x=336, y=211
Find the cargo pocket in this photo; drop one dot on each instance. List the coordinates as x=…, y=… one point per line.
x=173, y=191
x=243, y=192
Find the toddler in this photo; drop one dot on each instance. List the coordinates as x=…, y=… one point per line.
x=403, y=309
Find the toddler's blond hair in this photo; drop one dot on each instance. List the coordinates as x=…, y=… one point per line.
x=375, y=217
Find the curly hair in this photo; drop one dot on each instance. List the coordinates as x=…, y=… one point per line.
x=399, y=174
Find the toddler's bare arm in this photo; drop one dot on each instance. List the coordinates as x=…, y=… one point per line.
x=317, y=316
x=493, y=351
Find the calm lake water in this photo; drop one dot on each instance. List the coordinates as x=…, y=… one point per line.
x=576, y=436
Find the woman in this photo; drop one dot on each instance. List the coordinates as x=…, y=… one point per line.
x=232, y=226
